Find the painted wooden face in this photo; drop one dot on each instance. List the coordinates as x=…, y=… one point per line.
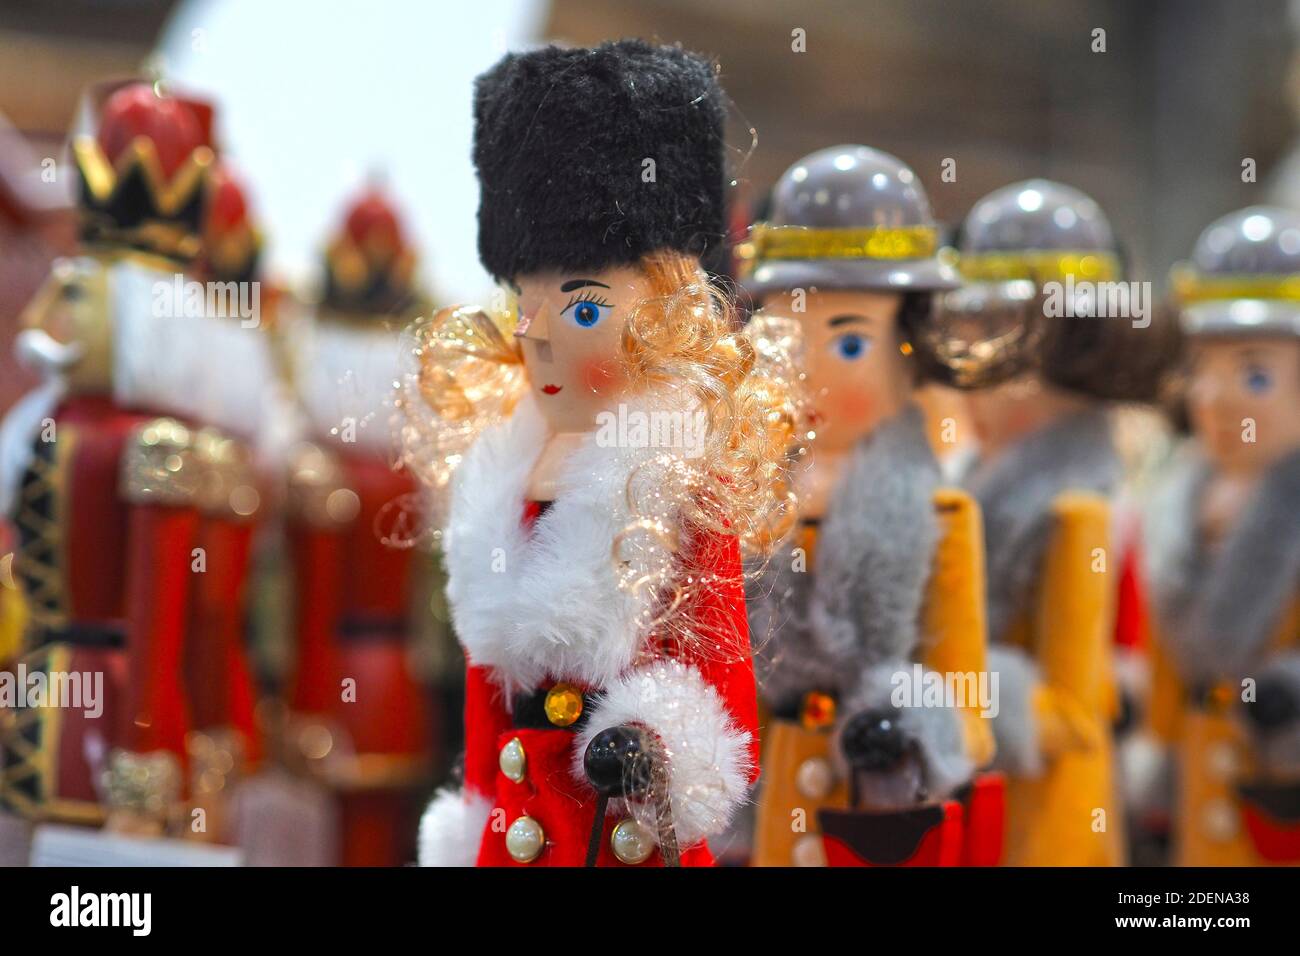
x=571, y=331
x=1003, y=413
x=1242, y=398
x=856, y=374
x=71, y=309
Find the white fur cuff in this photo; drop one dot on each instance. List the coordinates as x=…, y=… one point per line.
x=451, y=829
x=708, y=755
x=1015, y=729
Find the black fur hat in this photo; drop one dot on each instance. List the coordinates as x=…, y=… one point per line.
x=561, y=139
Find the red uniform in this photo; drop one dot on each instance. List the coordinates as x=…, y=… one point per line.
x=134, y=526
x=558, y=654
x=364, y=718
x=111, y=537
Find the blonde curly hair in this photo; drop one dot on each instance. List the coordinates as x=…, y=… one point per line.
x=465, y=372
x=686, y=334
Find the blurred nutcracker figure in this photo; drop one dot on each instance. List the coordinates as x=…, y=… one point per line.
x=35, y=223
x=362, y=718
x=592, y=546
x=1032, y=253
x=879, y=591
x=1223, y=550
x=133, y=493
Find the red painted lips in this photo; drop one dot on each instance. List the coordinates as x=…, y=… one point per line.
x=551, y=389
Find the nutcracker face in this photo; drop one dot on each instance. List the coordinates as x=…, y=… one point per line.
x=571, y=332
x=1002, y=414
x=1242, y=398
x=68, y=324
x=857, y=375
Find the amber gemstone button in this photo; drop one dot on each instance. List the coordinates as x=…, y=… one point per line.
x=818, y=711
x=563, y=705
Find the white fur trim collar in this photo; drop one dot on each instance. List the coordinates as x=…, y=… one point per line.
x=203, y=368
x=546, y=603
x=348, y=381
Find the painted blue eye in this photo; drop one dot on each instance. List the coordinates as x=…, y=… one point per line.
x=1258, y=380
x=587, y=313
x=852, y=346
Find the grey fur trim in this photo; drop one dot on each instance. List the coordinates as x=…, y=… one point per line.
x=787, y=662
x=1278, y=753
x=876, y=547
x=819, y=631
x=1015, y=491
x=1220, y=611
x=1171, y=557
x=1254, y=576
x=1015, y=728
x=936, y=732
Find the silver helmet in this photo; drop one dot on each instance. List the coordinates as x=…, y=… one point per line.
x=1244, y=275
x=848, y=217
x=1014, y=241
x=1023, y=228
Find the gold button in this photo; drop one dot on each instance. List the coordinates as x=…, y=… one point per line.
x=631, y=842
x=513, y=761
x=809, y=851
x=524, y=840
x=563, y=705
x=813, y=779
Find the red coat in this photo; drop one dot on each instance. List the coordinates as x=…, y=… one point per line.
x=353, y=600
x=536, y=603
x=110, y=517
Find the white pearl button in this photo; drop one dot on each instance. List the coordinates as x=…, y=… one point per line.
x=631, y=842
x=524, y=840
x=1220, y=819
x=513, y=761
x=809, y=851
x=1222, y=760
x=814, y=778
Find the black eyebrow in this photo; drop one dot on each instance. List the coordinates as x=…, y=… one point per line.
x=846, y=319
x=580, y=284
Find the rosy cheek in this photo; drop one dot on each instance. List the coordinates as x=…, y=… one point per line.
x=849, y=405
x=603, y=376
x=1019, y=418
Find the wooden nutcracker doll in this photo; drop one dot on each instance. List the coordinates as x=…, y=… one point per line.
x=881, y=584
x=1032, y=252
x=1222, y=549
x=133, y=498
x=592, y=544
x=223, y=744
x=362, y=717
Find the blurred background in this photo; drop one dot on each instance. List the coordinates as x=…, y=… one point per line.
x=1169, y=112
x=316, y=99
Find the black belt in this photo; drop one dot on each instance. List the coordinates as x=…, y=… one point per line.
x=1204, y=696
x=83, y=634
x=792, y=711
x=529, y=712
x=363, y=627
